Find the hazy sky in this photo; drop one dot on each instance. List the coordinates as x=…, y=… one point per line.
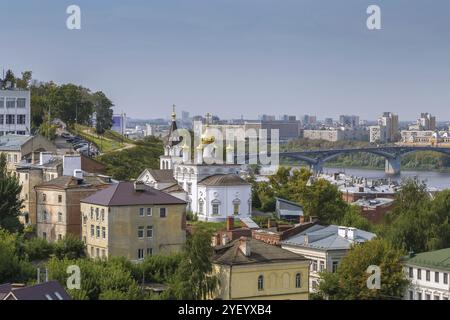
x=240, y=57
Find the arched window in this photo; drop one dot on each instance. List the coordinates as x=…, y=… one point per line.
x=260, y=283
x=236, y=206
x=200, y=206
x=298, y=280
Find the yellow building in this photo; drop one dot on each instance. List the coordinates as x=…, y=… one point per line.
x=251, y=269
x=132, y=220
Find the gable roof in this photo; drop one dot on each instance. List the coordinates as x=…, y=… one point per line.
x=124, y=194
x=5, y=289
x=223, y=180
x=327, y=238
x=439, y=259
x=164, y=176
x=260, y=252
x=51, y=290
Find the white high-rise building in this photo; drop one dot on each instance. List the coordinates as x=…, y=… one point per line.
x=14, y=111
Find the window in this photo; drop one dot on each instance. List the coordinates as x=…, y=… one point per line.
x=103, y=214
x=92, y=230
x=59, y=236
x=419, y=295
x=411, y=272
x=314, y=285
x=428, y=275
x=44, y=235
x=84, y=220
x=10, y=103
x=149, y=212
x=411, y=295
x=2, y=120
x=97, y=229
x=334, y=266
x=140, y=232
x=215, y=209
x=149, y=251
x=21, y=102
x=84, y=239
x=92, y=251
x=314, y=265
x=298, y=280
x=427, y=296
x=149, y=231
x=162, y=212
x=21, y=119
x=436, y=277
x=2, y=103
x=140, y=254
x=59, y=198
x=92, y=213
x=10, y=119
x=445, y=278
x=200, y=206
x=236, y=209
x=44, y=216
x=260, y=283
x=59, y=216
x=436, y=297
x=97, y=214
x=44, y=197
x=322, y=266
x=97, y=251
x=141, y=212
x=419, y=274
x=103, y=232
x=189, y=188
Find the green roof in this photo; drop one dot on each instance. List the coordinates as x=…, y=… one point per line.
x=439, y=259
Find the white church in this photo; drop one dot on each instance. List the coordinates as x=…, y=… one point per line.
x=213, y=191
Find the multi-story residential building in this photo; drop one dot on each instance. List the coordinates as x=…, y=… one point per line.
x=24, y=148
x=325, y=246
x=425, y=122
x=58, y=204
x=14, y=111
x=386, y=130
x=251, y=269
x=335, y=134
x=428, y=273
x=349, y=121
x=132, y=220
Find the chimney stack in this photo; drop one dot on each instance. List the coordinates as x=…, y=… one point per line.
x=224, y=239
x=230, y=223
x=244, y=246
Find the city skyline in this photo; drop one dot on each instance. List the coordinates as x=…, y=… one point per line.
x=238, y=58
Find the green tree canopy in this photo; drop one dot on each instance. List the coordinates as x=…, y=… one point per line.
x=10, y=203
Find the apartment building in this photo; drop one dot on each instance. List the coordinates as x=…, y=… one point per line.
x=132, y=220
x=428, y=274
x=14, y=111
x=325, y=246
x=58, y=204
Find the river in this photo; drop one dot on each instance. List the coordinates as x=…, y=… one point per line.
x=439, y=180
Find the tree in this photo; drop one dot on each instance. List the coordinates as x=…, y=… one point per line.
x=70, y=247
x=350, y=280
x=24, y=82
x=193, y=279
x=9, y=77
x=103, y=108
x=10, y=203
x=13, y=268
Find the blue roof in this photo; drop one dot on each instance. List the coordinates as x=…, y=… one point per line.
x=327, y=238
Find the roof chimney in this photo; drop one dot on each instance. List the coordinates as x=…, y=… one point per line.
x=244, y=246
x=77, y=173
x=351, y=233
x=224, y=239
x=342, y=231
x=302, y=219
x=230, y=223
x=139, y=186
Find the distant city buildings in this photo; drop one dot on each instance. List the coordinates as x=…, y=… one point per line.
x=349, y=121
x=119, y=123
x=15, y=111
x=386, y=130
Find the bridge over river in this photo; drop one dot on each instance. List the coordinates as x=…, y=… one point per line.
x=392, y=154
